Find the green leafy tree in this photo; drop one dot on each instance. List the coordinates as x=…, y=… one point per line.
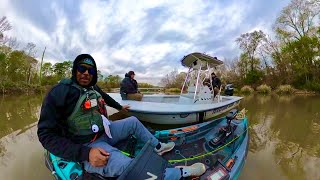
x=15, y=69
x=48, y=77
x=47, y=69
x=112, y=81
x=145, y=85
x=99, y=75
x=304, y=59
x=62, y=70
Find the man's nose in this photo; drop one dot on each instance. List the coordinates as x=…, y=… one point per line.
x=86, y=72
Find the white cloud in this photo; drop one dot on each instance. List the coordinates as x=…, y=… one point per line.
x=149, y=37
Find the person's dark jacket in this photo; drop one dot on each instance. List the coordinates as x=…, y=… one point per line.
x=216, y=82
x=52, y=126
x=128, y=85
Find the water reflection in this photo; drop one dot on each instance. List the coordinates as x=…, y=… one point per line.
x=17, y=112
x=286, y=129
x=23, y=158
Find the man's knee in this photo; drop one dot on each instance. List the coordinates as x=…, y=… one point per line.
x=121, y=166
x=134, y=119
x=116, y=165
x=135, y=97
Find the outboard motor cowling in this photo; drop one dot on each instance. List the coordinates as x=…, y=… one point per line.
x=228, y=90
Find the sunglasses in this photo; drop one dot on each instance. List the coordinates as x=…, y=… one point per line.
x=83, y=69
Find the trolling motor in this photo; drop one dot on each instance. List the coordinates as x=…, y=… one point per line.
x=228, y=90
x=225, y=131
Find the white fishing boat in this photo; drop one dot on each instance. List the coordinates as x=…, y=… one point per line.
x=196, y=102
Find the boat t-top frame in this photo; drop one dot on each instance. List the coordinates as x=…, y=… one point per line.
x=200, y=68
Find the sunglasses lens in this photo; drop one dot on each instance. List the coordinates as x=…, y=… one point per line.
x=91, y=71
x=83, y=69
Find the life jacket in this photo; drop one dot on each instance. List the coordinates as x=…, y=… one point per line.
x=85, y=118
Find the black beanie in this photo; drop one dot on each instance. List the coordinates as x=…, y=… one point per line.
x=131, y=73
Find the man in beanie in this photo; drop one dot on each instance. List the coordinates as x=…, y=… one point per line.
x=216, y=83
x=73, y=125
x=129, y=88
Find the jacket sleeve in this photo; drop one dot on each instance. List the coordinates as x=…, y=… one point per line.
x=109, y=100
x=50, y=129
x=123, y=86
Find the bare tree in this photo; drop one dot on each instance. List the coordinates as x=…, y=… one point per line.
x=297, y=19
x=30, y=49
x=4, y=26
x=11, y=42
x=249, y=43
x=31, y=62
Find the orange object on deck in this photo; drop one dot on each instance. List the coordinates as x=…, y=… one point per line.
x=230, y=163
x=173, y=131
x=173, y=138
x=191, y=128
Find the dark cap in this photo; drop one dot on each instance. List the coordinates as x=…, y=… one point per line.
x=86, y=61
x=131, y=73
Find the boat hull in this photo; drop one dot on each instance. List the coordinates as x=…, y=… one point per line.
x=166, y=109
x=183, y=118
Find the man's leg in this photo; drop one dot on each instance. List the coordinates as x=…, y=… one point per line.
x=135, y=96
x=122, y=129
x=116, y=164
x=216, y=91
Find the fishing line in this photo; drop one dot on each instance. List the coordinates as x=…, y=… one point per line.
x=208, y=153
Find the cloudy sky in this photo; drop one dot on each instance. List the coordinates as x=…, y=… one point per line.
x=149, y=37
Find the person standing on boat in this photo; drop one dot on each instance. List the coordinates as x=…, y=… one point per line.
x=216, y=83
x=129, y=88
x=73, y=125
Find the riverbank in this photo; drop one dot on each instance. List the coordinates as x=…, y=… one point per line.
x=24, y=89
x=37, y=89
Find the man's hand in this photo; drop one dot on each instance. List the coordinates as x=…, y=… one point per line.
x=125, y=108
x=98, y=157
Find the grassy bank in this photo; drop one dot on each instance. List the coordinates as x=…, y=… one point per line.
x=281, y=90
x=23, y=89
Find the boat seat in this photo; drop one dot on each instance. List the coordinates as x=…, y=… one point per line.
x=145, y=164
x=203, y=95
x=192, y=89
x=187, y=98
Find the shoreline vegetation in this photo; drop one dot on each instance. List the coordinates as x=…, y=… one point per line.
x=243, y=91
x=284, y=62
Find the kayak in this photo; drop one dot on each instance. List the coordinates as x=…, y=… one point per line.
x=222, y=145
